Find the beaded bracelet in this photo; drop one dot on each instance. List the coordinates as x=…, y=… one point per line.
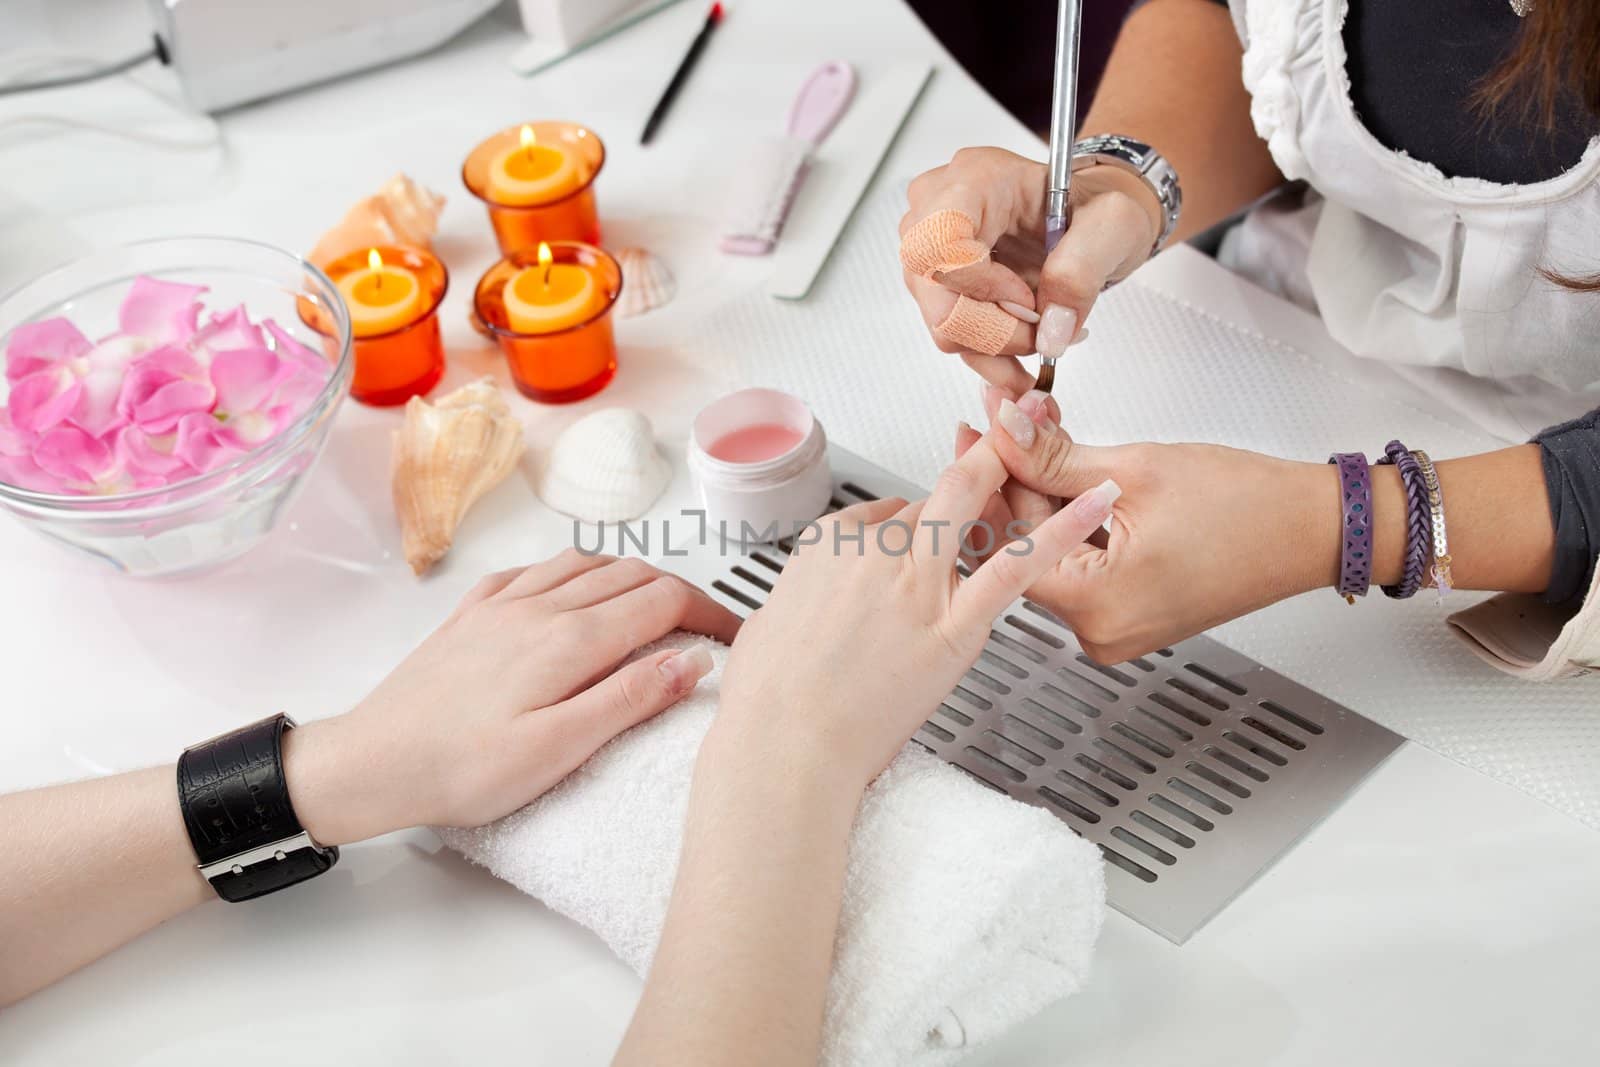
x=1418, y=521
x=1355, y=553
x=1440, y=571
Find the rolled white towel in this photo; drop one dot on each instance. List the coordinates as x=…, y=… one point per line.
x=964, y=911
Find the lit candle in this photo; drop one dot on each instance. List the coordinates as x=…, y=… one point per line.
x=551, y=296
x=532, y=173
x=382, y=297
x=550, y=312
x=537, y=181
x=393, y=295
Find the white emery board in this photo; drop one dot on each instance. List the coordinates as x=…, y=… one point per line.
x=841, y=170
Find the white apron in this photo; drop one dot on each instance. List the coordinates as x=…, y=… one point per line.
x=1436, y=275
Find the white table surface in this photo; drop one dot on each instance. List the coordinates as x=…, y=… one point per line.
x=1438, y=917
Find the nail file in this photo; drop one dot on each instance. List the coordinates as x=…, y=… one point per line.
x=841, y=170
x=770, y=179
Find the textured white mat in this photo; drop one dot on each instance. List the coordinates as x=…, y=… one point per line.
x=1157, y=367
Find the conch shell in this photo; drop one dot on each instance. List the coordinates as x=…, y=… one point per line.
x=447, y=454
x=401, y=213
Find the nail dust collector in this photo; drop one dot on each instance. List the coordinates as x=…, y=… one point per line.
x=1193, y=768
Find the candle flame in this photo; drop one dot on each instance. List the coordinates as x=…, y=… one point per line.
x=545, y=259
x=528, y=138
x=374, y=261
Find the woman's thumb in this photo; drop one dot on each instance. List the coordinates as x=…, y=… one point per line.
x=1042, y=457
x=1106, y=240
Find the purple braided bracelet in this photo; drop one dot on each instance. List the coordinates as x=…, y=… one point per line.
x=1418, y=521
x=1355, y=553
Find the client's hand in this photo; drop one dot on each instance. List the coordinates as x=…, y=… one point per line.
x=866, y=631
x=1115, y=221
x=869, y=628
x=517, y=688
x=1202, y=533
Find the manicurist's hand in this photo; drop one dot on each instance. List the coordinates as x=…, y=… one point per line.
x=517, y=688
x=866, y=631
x=1203, y=534
x=1115, y=222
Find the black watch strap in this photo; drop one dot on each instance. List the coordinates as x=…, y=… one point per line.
x=240, y=820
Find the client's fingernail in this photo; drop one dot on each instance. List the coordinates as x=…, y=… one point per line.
x=1017, y=311
x=1015, y=423
x=687, y=667
x=1095, y=505
x=1083, y=335
x=964, y=435
x=1036, y=405
x=1057, y=327
x=993, y=395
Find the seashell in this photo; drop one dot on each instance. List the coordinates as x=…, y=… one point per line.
x=401, y=213
x=646, y=282
x=605, y=468
x=447, y=454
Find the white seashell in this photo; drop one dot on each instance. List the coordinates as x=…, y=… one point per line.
x=605, y=468
x=646, y=282
x=447, y=454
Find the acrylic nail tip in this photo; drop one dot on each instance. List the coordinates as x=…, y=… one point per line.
x=1016, y=423
x=1018, y=311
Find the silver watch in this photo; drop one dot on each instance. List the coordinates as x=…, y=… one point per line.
x=1136, y=157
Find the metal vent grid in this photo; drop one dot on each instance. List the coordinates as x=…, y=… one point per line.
x=1193, y=769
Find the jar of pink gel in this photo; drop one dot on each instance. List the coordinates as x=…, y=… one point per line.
x=760, y=460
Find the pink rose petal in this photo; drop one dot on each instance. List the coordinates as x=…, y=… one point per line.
x=244, y=379
x=298, y=389
x=37, y=346
x=116, y=351
x=40, y=401
x=163, y=386
x=201, y=445
x=163, y=312
x=148, y=454
x=73, y=456
x=225, y=333
x=95, y=412
x=23, y=472
x=13, y=442
x=290, y=349
x=251, y=429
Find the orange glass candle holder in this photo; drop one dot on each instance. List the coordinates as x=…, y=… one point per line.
x=571, y=356
x=537, y=180
x=399, y=353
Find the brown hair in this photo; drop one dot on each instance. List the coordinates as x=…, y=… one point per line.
x=1556, y=54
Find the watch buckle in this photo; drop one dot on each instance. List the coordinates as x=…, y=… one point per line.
x=273, y=850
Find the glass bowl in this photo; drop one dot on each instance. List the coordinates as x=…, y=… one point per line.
x=222, y=513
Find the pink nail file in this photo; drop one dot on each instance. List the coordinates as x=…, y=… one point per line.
x=767, y=182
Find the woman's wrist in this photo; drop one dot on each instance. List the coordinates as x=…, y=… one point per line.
x=1497, y=511
x=1496, y=505
x=1117, y=182
x=742, y=750
x=336, y=783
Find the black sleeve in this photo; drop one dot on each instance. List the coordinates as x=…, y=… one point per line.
x=1572, y=475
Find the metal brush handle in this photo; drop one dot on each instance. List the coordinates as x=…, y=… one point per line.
x=1063, y=121
x=1063, y=127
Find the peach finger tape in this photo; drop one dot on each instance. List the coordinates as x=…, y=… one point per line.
x=977, y=326
x=945, y=240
